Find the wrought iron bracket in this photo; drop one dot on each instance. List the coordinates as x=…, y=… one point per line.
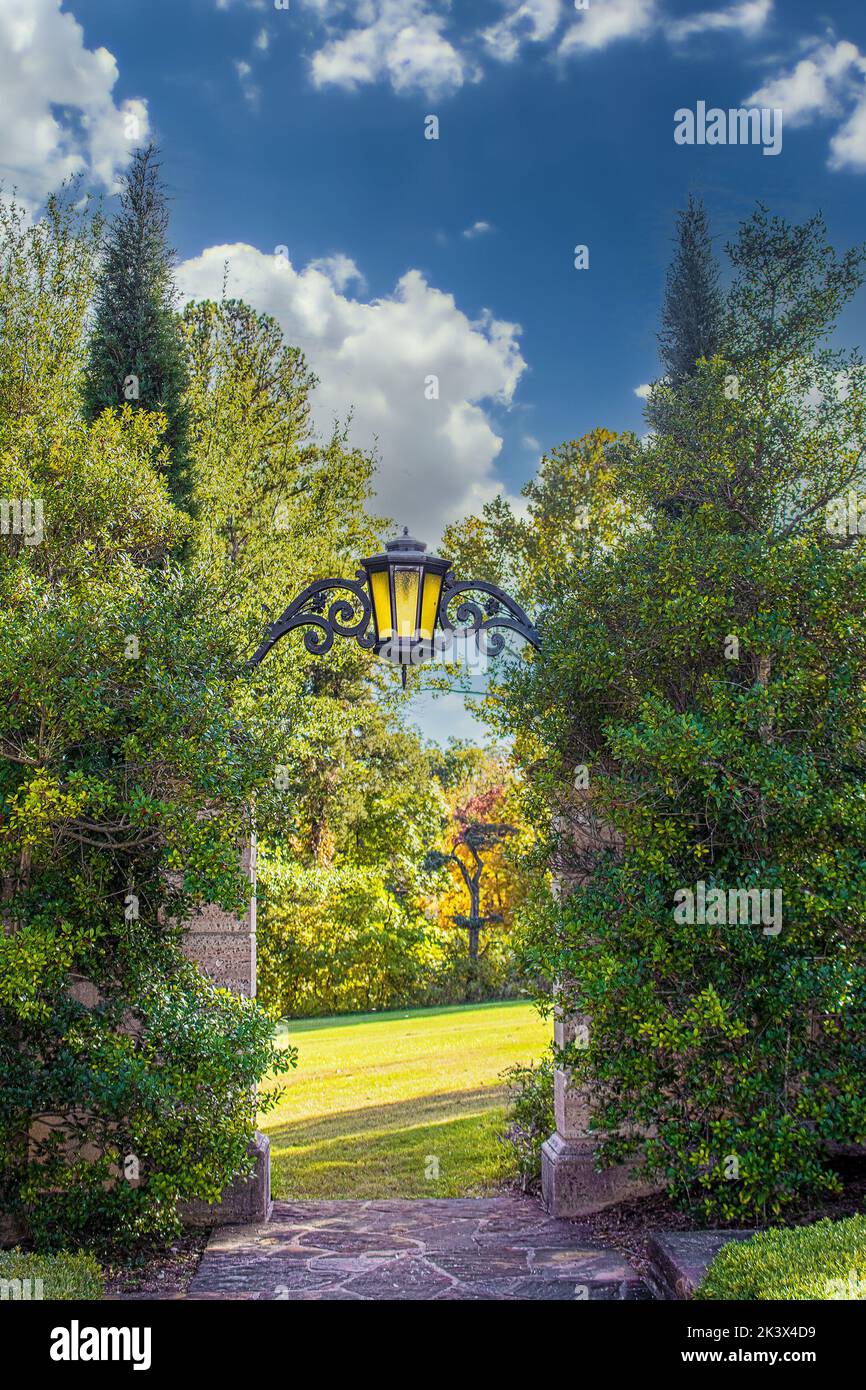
x=340, y=620
x=351, y=617
x=500, y=611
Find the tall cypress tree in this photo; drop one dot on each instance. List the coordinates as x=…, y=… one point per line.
x=136, y=350
x=693, y=307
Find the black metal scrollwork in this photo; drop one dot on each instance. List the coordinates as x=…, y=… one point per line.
x=485, y=618
x=340, y=620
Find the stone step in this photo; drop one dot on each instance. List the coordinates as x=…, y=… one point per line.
x=678, y=1260
x=500, y=1248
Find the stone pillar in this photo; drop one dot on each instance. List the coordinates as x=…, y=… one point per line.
x=570, y=1184
x=224, y=947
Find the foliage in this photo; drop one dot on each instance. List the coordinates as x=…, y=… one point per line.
x=483, y=854
x=823, y=1261
x=692, y=316
x=126, y=775
x=698, y=715
x=571, y=509
x=47, y=275
x=62, y=1276
x=530, y=1118
x=356, y=912
x=336, y=940
x=135, y=351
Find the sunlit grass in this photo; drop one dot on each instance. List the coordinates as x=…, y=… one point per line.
x=406, y=1104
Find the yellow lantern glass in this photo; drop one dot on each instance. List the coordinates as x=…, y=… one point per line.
x=405, y=589
x=430, y=605
x=406, y=585
x=380, y=585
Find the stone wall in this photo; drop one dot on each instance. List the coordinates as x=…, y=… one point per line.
x=224, y=945
x=570, y=1184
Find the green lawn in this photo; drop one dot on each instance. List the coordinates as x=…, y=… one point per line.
x=406, y=1104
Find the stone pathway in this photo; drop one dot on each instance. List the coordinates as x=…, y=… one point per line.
x=468, y=1248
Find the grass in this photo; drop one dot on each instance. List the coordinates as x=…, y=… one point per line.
x=407, y=1104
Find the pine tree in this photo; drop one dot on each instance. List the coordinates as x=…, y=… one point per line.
x=136, y=348
x=693, y=307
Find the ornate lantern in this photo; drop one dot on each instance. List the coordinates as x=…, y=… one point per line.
x=399, y=603
x=405, y=585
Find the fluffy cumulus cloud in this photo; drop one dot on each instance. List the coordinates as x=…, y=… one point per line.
x=430, y=46
x=58, y=113
x=402, y=42
x=602, y=24
x=829, y=80
x=376, y=359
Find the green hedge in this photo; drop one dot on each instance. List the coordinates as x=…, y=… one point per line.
x=824, y=1261
x=62, y=1276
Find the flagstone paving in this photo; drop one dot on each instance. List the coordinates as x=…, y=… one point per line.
x=465, y=1248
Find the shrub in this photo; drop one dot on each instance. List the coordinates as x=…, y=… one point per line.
x=824, y=1261
x=695, y=723
x=530, y=1118
x=129, y=757
x=63, y=1275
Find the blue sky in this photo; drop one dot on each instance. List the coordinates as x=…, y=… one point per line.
x=404, y=257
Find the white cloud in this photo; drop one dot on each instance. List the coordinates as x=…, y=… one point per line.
x=528, y=21
x=374, y=358
x=815, y=85
x=262, y=41
x=477, y=229
x=606, y=21
x=340, y=270
x=749, y=17
x=403, y=42
x=848, y=146
x=398, y=41
x=251, y=92
x=643, y=390
x=830, y=81
x=58, y=115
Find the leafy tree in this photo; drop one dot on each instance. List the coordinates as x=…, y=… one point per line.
x=485, y=850
x=351, y=804
x=127, y=767
x=705, y=673
x=476, y=836
x=343, y=917
x=693, y=312
x=42, y=338
x=135, y=350
x=569, y=509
